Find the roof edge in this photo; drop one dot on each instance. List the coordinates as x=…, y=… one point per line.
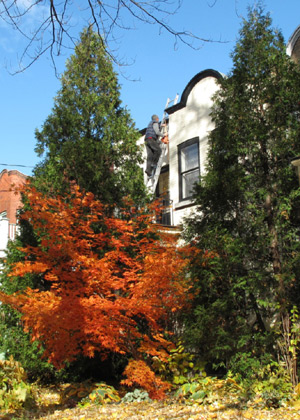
x=13, y=172
x=189, y=87
x=292, y=41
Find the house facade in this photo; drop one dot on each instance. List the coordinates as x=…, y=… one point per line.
x=10, y=202
x=189, y=125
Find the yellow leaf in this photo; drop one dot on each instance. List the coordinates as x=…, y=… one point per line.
x=297, y=390
x=92, y=397
x=248, y=415
x=296, y=405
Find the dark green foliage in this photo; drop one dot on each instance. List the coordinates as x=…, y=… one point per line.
x=264, y=380
x=246, y=203
x=89, y=138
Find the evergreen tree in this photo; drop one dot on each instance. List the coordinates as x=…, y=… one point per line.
x=246, y=204
x=89, y=137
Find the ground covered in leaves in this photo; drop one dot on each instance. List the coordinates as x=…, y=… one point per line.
x=49, y=407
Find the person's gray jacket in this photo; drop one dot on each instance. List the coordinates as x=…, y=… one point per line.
x=153, y=131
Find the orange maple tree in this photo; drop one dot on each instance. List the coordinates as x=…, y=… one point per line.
x=106, y=276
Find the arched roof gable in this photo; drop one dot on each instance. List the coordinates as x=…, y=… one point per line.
x=294, y=42
x=189, y=87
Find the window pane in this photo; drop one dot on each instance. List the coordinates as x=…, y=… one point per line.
x=188, y=181
x=163, y=183
x=189, y=157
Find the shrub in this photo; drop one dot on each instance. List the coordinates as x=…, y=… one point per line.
x=74, y=393
x=102, y=394
x=87, y=393
x=181, y=367
x=266, y=382
x=139, y=373
x=208, y=390
x=136, y=396
x=272, y=387
x=15, y=392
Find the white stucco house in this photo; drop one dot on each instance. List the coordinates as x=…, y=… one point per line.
x=189, y=125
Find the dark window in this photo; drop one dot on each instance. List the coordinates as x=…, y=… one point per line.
x=189, y=167
x=164, y=215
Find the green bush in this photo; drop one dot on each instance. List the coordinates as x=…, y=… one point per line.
x=246, y=366
x=255, y=382
x=273, y=387
x=181, y=367
x=208, y=390
x=266, y=382
x=15, y=392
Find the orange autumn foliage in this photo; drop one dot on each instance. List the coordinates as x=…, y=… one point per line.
x=105, y=277
x=139, y=374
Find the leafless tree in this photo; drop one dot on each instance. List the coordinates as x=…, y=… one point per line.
x=49, y=26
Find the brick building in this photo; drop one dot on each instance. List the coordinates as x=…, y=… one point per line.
x=10, y=202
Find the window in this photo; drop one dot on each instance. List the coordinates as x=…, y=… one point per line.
x=164, y=216
x=189, y=167
x=163, y=182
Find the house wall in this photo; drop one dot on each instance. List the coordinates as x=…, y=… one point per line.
x=187, y=119
x=190, y=119
x=4, y=229
x=10, y=202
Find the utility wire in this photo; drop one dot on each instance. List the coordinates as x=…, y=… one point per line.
x=22, y=166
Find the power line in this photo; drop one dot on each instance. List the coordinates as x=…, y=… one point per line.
x=21, y=166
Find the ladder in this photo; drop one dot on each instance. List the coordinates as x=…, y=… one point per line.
x=152, y=182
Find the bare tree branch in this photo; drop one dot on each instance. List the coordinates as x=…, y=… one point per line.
x=48, y=25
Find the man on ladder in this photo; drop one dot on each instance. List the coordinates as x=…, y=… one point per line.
x=152, y=142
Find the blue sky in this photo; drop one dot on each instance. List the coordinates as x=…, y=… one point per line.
x=160, y=68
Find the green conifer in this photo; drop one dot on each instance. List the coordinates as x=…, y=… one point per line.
x=247, y=201
x=89, y=137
